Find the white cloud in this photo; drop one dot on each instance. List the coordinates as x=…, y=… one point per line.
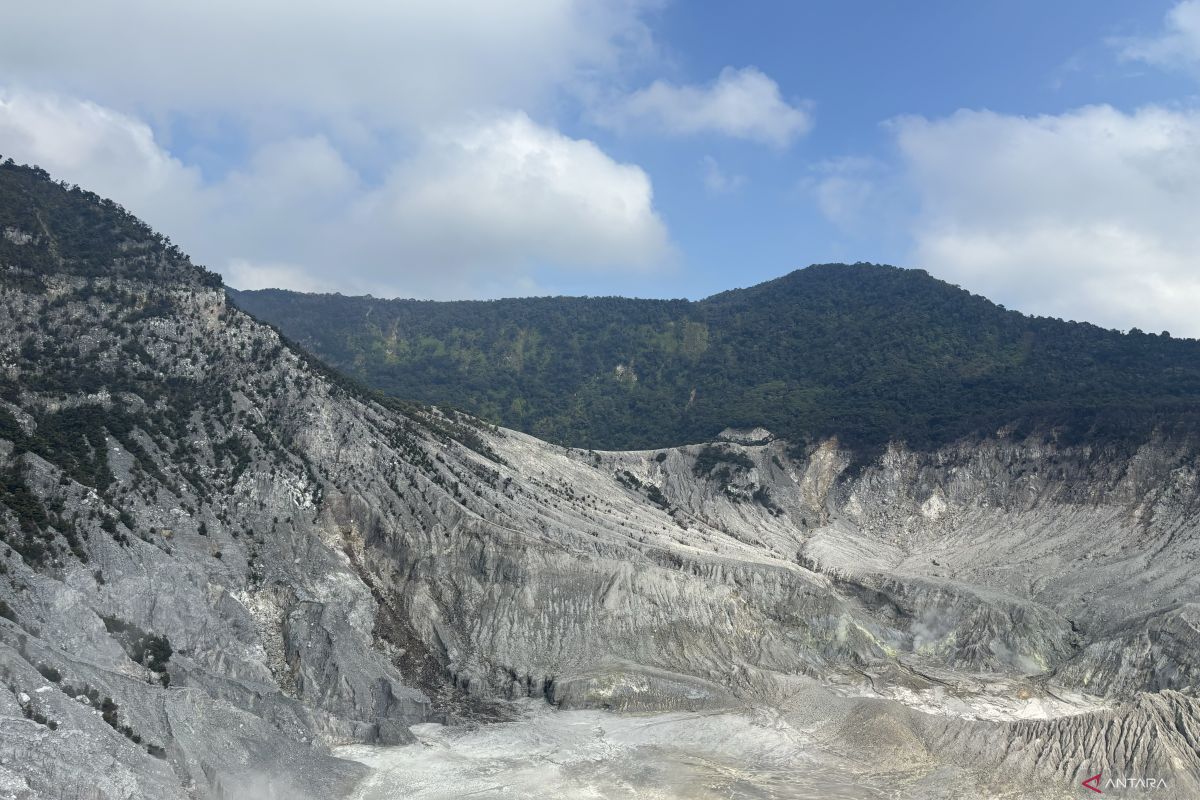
x=472, y=211
x=1178, y=46
x=1086, y=215
x=363, y=145
x=98, y=148
x=717, y=180
x=354, y=64
x=741, y=103
x=849, y=191
x=243, y=274
x=510, y=192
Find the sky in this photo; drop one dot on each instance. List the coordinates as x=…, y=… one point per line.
x=1045, y=155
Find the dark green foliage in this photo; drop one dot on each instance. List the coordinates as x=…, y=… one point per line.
x=9, y=429
x=16, y=494
x=157, y=652
x=49, y=672
x=656, y=496
x=711, y=457
x=762, y=496
x=32, y=537
x=108, y=711
x=148, y=649
x=66, y=229
x=37, y=716
x=160, y=307
x=652, y=492
x=863, y=352
x=74, y=440
x=628, y=479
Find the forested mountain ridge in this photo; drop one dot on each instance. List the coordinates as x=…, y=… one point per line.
x=864, y=352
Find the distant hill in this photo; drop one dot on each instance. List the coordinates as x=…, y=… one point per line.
x=865, y=352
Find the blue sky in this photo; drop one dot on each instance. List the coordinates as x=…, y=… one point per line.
x=1044, y=154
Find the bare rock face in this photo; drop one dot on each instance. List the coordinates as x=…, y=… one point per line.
x=751, y=436
x=220, y=560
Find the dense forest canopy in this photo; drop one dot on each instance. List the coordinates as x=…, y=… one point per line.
x=49, y=227
x=864, y=352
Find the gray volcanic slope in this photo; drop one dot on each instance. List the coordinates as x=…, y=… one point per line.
x=1001, y=617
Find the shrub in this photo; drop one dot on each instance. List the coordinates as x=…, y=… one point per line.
x=49, y=673
x=713, y=457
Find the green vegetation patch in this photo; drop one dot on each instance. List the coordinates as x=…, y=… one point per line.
x=866, y=353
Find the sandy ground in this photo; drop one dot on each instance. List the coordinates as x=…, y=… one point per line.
x=594, y=754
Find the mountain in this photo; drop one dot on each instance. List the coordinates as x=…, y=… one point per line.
x=226, y=569
x=867, y=353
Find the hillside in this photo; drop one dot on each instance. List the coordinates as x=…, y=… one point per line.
x=179, y=612
x=863, y=352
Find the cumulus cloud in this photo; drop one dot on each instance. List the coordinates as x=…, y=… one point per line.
x=717, y=180
x=355, y=63
x=363, y=145
x=96, y=147
x=509, y=191
x=471, y=210
x=1178, y=46
x=851, y=191
x=243, y=274
x=741, y=104
x=1087, y=215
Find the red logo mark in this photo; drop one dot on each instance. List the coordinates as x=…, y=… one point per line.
x=1093, y=783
